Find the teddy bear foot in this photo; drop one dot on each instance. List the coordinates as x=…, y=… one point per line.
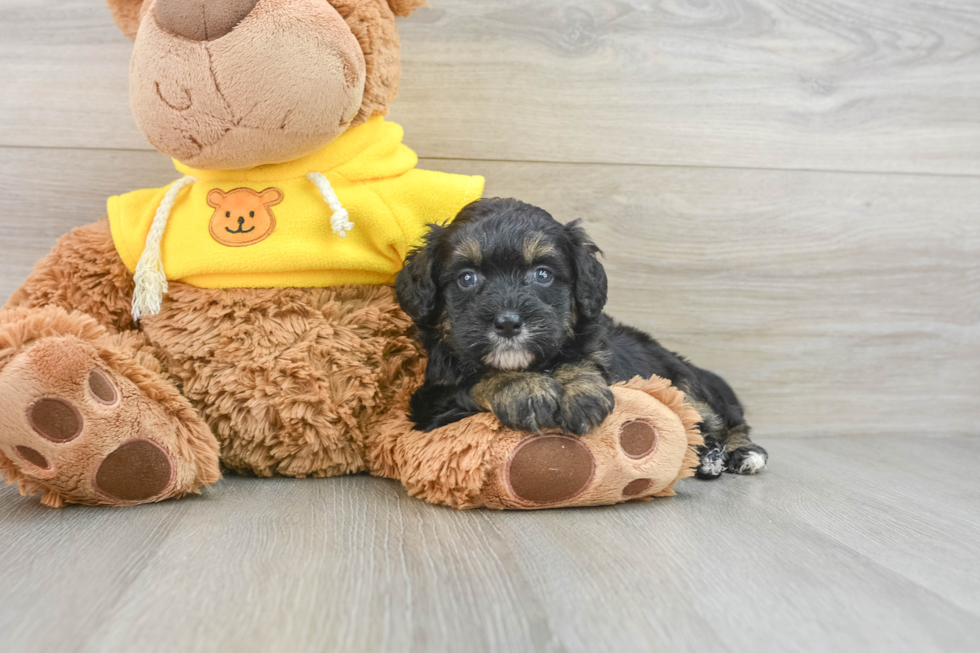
x=77, y=424
x=639, y=452
x=551, y=469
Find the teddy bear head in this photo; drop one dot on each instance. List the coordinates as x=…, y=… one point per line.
x=232, y=84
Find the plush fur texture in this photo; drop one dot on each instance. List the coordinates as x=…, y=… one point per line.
x=82, y=273
x=290, y=380
x=126, y=14
x=404, y=8
x=373, y=24
x=509, y=302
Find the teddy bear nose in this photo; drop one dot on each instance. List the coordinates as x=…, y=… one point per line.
x=202, y=20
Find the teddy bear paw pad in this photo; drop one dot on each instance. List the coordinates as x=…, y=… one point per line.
x=136, y=471
x=101, y=387
x=637, y=487
x=638, y=439
x=33, y=456
x=549, y=469
x=55, y=419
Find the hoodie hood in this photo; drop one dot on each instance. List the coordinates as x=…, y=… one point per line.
x=347, y=214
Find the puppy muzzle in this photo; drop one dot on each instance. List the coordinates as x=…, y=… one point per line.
x=508, y=353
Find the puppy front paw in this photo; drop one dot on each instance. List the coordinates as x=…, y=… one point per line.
x=532, y=412
x=585, y=409
x=522, y=401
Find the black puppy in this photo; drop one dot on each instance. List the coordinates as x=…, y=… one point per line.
x=508, y=303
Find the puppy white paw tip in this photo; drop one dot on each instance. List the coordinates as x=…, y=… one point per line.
x=753, y=463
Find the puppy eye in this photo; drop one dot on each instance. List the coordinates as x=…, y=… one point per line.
x=467, y=279
x=251, y=214
x=544, y=276
x=227, y=214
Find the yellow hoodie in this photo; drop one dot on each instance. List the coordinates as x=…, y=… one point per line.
x=281, y=226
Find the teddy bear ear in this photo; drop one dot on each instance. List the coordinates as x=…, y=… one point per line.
x=215, y=198
x=126, y=14
x=406, y=7
x=271, y=196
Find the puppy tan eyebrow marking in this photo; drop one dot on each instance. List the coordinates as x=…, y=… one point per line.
x=536, y=247
x=469, y=250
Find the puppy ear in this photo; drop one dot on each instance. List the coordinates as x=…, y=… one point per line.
x=590, y=277
x=416, y=286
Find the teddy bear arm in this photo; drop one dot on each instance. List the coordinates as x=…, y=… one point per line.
x=640, y=451
x=83, y=273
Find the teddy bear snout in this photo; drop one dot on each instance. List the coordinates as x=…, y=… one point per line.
x=202, y=20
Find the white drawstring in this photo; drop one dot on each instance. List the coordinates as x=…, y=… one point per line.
x=340, y=221
x=151, y=280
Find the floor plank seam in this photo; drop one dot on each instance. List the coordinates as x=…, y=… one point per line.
x=616, y=164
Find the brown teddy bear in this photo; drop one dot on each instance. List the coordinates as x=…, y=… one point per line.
x=243, y=316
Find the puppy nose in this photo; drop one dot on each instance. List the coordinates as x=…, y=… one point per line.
x=508, y=324
x=202, y=20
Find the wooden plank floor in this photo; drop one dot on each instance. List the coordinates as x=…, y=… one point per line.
x=820, y=84
x=836, y=304
x=786, y=191
x=862, y=544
